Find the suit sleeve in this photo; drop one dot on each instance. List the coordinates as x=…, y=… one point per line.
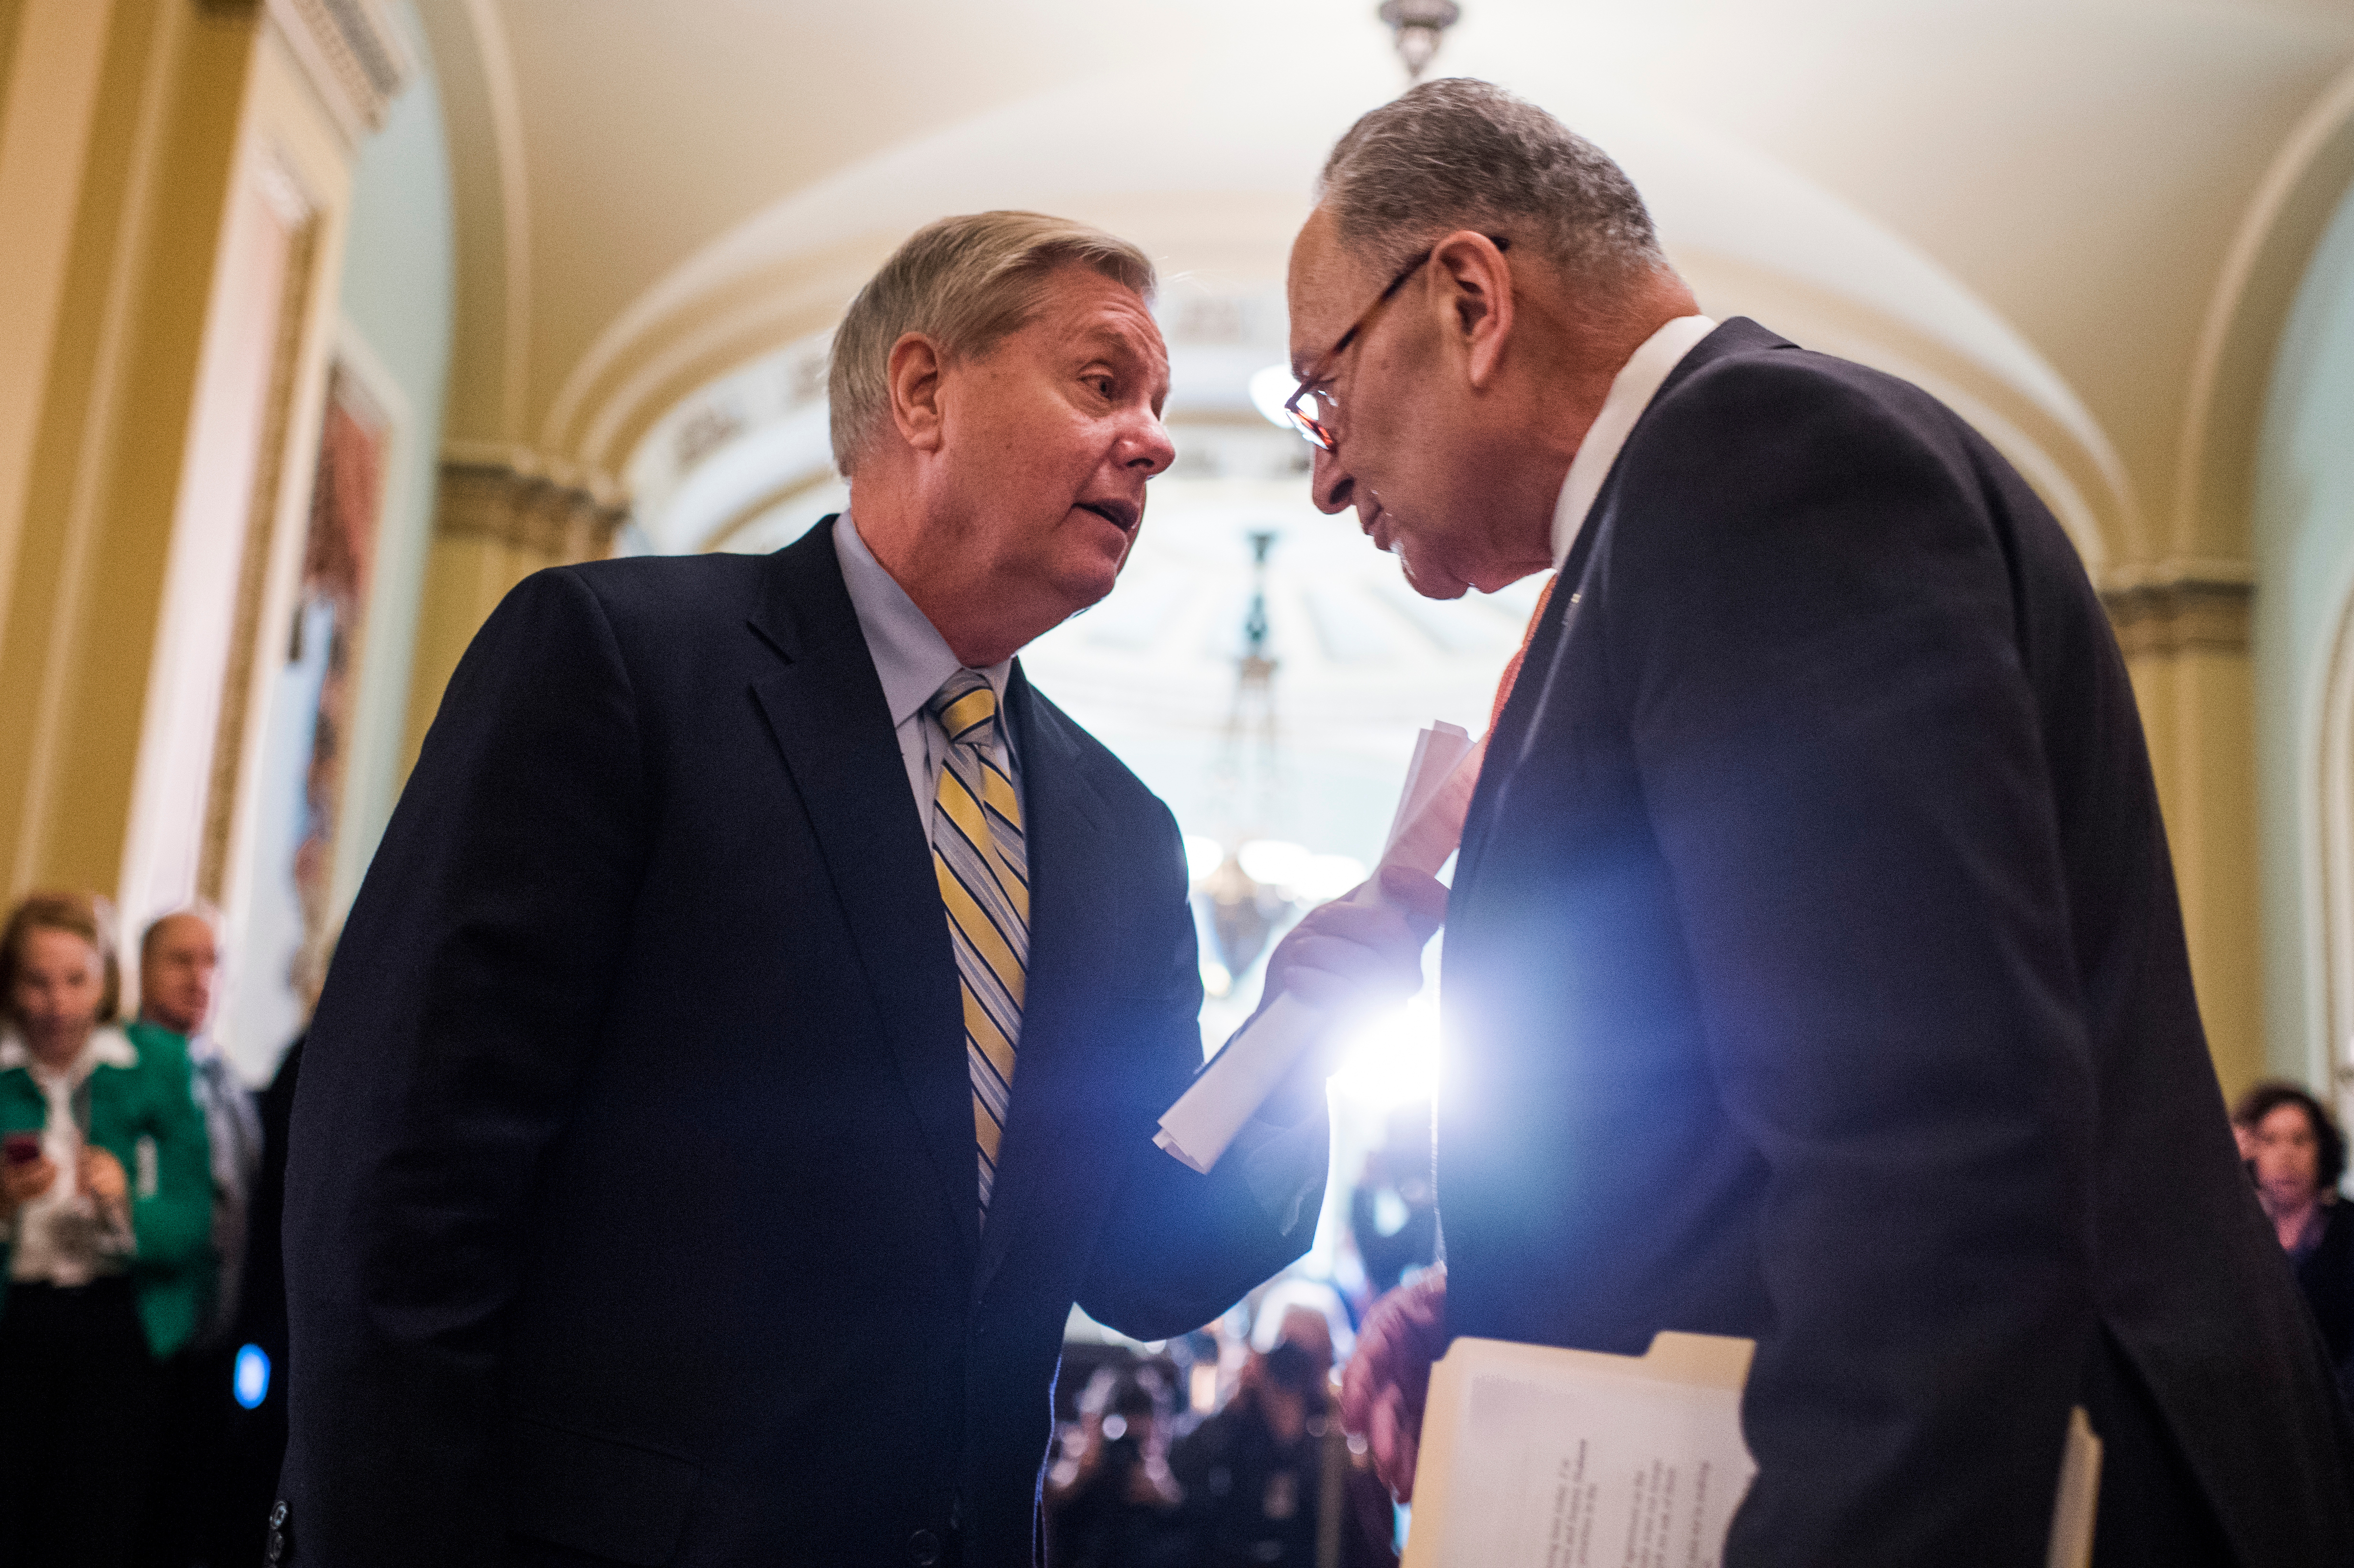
x=1180, y=1247
x=1808, y=625
x=461, y=1007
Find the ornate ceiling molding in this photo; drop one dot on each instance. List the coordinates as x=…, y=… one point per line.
x=511, y=498
x=2182, y=606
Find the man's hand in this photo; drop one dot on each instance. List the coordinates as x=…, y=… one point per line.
x=1346, y=954
x=1389, y=1377
x=101, y=1177
x=19, y=1185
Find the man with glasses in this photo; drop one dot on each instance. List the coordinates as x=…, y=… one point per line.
x=1814, y=971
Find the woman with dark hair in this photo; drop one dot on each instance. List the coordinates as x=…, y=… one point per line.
x=105, y=1242
x=2296, y=1154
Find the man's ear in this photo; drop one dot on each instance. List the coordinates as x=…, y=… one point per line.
x=1475, y=286
x=913, y=375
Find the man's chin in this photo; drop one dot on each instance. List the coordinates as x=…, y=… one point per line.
x=1083, y=585
x=1428, y=579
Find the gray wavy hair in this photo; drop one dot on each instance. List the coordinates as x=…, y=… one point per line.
x=1462, y=153
x=965, y=282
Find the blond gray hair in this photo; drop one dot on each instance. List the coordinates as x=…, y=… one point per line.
x=1462, y=153
x=965, y=283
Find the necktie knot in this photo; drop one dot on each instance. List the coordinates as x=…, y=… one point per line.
x=965, y=701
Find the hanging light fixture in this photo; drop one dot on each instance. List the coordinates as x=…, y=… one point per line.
x=1418, y=24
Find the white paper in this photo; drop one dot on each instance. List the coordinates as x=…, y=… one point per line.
x=1587, y=1470
x=1230, y=1090
x=1437, y=751
x=1535, y=1456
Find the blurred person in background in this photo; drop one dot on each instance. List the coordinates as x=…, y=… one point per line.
x=2295, y=1154
x=1271, y=1481
x=1110, y=1500
x=105, y=1197
x=179, y=964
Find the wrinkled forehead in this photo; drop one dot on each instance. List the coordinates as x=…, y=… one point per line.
x=1107, y=318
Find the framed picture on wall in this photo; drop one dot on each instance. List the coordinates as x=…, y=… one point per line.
x=306, y=752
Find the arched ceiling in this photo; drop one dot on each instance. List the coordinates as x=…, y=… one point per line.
x=2031, y=209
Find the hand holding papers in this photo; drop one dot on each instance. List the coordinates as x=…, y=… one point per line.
x=1237, y=1082
x=1534, y=1457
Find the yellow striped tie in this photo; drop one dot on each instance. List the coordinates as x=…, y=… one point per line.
x=984, y=877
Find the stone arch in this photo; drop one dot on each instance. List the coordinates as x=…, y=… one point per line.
x=2282, y=228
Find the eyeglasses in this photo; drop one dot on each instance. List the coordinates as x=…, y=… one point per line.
x=1320, y=431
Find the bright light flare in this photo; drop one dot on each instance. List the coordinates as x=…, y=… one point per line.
x=1298, y=871
x=1274, y=862
x=1394, y=1059
x=1203, y=855
x=251, y=1379
x=1271, y=390
x=1329, y=876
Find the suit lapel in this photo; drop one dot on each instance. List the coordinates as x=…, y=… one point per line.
x=826, y=713
x=1064, y=833
x=1515, y=725
x=1510, y=736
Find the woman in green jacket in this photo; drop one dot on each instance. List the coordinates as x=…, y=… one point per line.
x=106, y=1211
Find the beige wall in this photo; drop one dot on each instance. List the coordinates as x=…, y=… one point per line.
x=2197, y=704
x=495, y=524
x=109, y=402
x=144, y=531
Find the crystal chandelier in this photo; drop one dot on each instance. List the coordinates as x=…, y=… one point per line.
x=1418, y=24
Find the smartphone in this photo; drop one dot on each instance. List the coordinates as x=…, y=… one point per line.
x=21, y=1148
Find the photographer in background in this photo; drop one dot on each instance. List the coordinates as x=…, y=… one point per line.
x=1271, y=1481
x=1111, y=1501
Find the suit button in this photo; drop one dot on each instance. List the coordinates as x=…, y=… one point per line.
x=924, y=1549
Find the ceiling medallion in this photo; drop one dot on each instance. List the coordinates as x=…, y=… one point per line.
x=1418, y=24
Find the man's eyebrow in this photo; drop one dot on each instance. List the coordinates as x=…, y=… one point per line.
x=1106, y=334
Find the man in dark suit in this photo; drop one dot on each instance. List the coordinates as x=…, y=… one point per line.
x=746, y=1045
x=1815, y=970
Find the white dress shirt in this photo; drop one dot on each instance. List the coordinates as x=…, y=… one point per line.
x=1632, y=391
x=912, y=661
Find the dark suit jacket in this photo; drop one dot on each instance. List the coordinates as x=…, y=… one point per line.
x=632, y=1204
x=1815, y=974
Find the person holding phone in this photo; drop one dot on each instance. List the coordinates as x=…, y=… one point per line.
x=105, y=1216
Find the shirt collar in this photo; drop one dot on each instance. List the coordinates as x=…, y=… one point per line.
x=911, y=658
x=1632, y=391
x=109, y=1047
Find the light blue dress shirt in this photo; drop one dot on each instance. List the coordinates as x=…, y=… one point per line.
x=912, y=661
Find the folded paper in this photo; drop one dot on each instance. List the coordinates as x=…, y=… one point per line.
x=1534, y=1457
x=1230, y=1090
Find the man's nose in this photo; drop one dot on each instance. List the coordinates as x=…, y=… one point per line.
x=1148, y=446
x=1331, y=485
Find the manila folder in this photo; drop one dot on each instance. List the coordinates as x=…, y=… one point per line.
x=1534, y=1457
